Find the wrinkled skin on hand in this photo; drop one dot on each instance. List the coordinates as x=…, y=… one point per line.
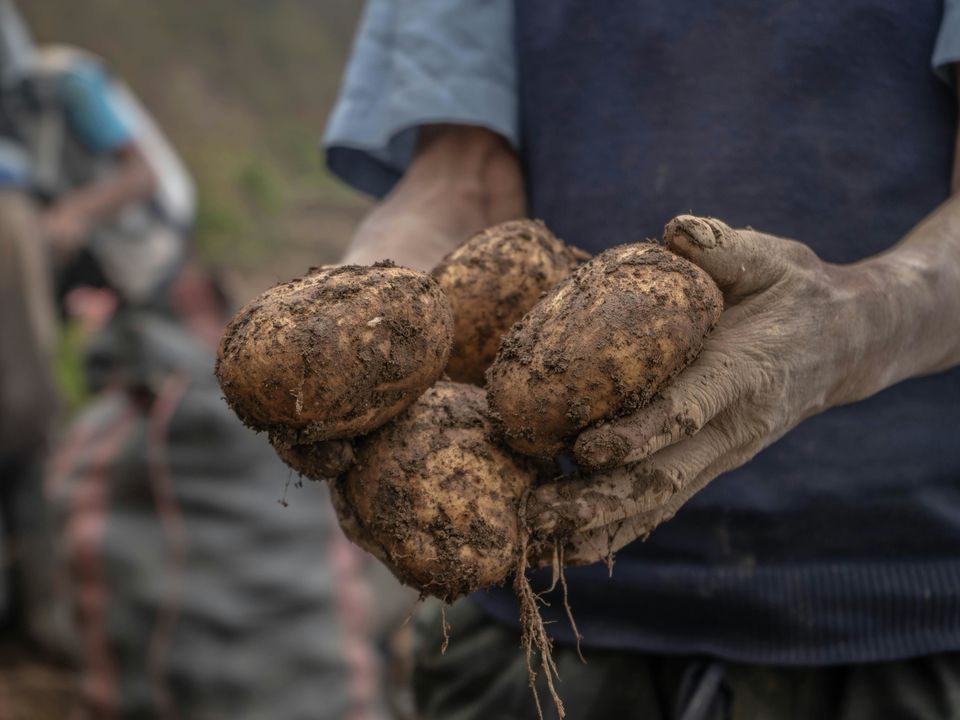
x=793, y=336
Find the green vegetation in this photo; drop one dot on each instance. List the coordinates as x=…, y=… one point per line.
x=68, y=369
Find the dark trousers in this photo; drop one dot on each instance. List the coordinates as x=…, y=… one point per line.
x=483, y=676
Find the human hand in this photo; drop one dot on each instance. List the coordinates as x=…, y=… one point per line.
x=793, y=340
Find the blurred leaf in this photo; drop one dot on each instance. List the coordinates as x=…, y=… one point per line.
x=68, y=367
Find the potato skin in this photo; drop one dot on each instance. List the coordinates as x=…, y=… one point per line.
x=320, y=460
x=352, y=529
x=600, y=345
x=437, y=496
x=492, y=280
x=336, y=353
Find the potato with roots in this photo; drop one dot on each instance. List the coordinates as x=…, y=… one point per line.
x=492, y=280
x=600, y=345
x=434, y=497
x=336, y=353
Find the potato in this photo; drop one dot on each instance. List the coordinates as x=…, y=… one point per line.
x=436, y=496
x=599, y=345
x=492, y=280
x=315, y=460
x=347, y=517
x=336, y=353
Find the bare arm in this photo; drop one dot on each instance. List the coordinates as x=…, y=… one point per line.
x=462, y=180
x=917, y=288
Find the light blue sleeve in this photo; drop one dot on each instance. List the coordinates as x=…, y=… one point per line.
x=947, y=49
x=85, y=91
x=417, y=62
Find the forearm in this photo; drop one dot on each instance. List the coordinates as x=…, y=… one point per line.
x=462, y=180
x=132, y=182
x=471, y=167
x=912, y=320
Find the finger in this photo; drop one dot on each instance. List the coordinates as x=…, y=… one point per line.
x=741, y=262
x=702, y=391
x=599, y=544
x=584, y=503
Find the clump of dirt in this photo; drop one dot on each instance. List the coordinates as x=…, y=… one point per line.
x=315, y=460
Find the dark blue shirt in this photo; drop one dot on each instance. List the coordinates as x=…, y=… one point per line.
x=821, y=121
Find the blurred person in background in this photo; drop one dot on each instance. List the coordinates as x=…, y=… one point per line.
x=115, y=199
x=821, y=580
x=94, y=193
x=27, y=395
x=188, y=589
x=27, y=324
x=200, y=588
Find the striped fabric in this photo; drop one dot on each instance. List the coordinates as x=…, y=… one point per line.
x=197, y=594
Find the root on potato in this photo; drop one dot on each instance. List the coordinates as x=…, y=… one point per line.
x=336, y=353
x=441, y=504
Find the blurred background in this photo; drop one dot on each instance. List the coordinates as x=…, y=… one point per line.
x=158, y=559
x=242, y=88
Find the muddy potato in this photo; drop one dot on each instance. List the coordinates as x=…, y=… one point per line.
x=437, y=496
x=336, y=353
x=352, y=529
x=492, y=280
x=600, y=345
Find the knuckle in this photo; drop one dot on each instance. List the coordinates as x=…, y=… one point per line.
x=800, y=254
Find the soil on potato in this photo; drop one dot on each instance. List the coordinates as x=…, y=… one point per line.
x=316, y=461
x=440, y=500
x=566, y=355
x=492, y=280
x=314, y=379
x=33, y=687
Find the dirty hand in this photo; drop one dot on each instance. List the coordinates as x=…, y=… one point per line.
x=794, y=339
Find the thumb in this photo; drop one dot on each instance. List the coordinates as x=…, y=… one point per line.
x=741, y=262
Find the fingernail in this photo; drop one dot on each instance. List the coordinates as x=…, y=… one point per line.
x=706, y=233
